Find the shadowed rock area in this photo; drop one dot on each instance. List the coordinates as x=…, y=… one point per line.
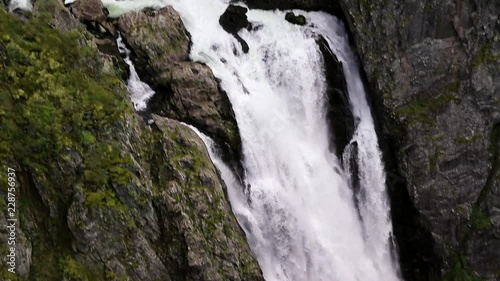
x=233, y=20
x=433, y=67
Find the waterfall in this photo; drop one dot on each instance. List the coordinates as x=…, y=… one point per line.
x=140, y=92
x=296, y=206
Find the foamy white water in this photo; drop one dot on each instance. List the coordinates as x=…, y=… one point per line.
x=297, y=207
x=139, y=91
x=20, y=4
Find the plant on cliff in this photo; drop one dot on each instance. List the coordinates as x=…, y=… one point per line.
x=58, y=113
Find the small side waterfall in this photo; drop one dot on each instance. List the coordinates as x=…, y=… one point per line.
x=140, y=92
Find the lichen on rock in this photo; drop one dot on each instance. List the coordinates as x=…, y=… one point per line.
x=102, y=194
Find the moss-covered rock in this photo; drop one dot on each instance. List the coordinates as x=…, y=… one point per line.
x=158, y=39
x=95, y=183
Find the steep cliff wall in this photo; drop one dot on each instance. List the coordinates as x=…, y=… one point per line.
x=434, y=71
x=102, y=194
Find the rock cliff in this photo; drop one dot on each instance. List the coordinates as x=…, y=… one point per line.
x=102, y=194
x=434, y=71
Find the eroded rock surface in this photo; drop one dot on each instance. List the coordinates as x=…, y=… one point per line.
x=101, y=194
x=185, y=90
x=158, y=39
x=434, y=70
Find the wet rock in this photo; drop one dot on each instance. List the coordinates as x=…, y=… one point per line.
x=295, y=19
x=185, y=91
x=89, y=11
x=157, y=39
x=233, y=20
x=339, y=112
x=196, y=98
x=93, y=14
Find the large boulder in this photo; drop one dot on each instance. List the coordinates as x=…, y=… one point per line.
x=158, y=39
x=94, y=15
x=89, y=10
x=339, y=112
x=433, y=68
x=233, y=20
x=197, y=99
x=185, y=91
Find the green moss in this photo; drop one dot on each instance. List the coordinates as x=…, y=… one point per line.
x=470, y=139
x=423, y=109
x=107, y=199
x=459, y=273
x=433, y=160
x=484, y=56
x=453, y=87
x=61, y=117
x=73, y=270
x=480, y=220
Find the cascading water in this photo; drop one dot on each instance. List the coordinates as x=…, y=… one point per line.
x=24, y=5
x=296, y=205
x=140, y=92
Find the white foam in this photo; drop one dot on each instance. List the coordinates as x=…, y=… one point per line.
x=297, y=207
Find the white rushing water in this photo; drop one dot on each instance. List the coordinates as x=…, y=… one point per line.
x=24, y=5
x=140, y=92
x=297, y=207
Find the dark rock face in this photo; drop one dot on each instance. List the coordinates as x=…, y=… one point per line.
x=157, y=40
x=434, y=71
x=89, y=10
x=340, y=116
x=295, y=19
x=233, y=20
x=186, y=91
x=196, y=98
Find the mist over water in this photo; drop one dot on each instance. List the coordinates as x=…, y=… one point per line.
x=296, y=204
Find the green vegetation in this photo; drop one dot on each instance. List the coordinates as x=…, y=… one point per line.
x=423, y=109
x=470, y=139
x=484, y=56
x=459, y=273
x=480, y=219
x=60, y=121
x=73, y=270
x=434, y=157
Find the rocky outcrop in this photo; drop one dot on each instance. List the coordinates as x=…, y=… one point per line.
x=158, y=39
x=185, y=90
x=102, y=195
x=233, y=20
x=295, y=19
x=433, y=67
x=196, y=99
x=339, y=112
